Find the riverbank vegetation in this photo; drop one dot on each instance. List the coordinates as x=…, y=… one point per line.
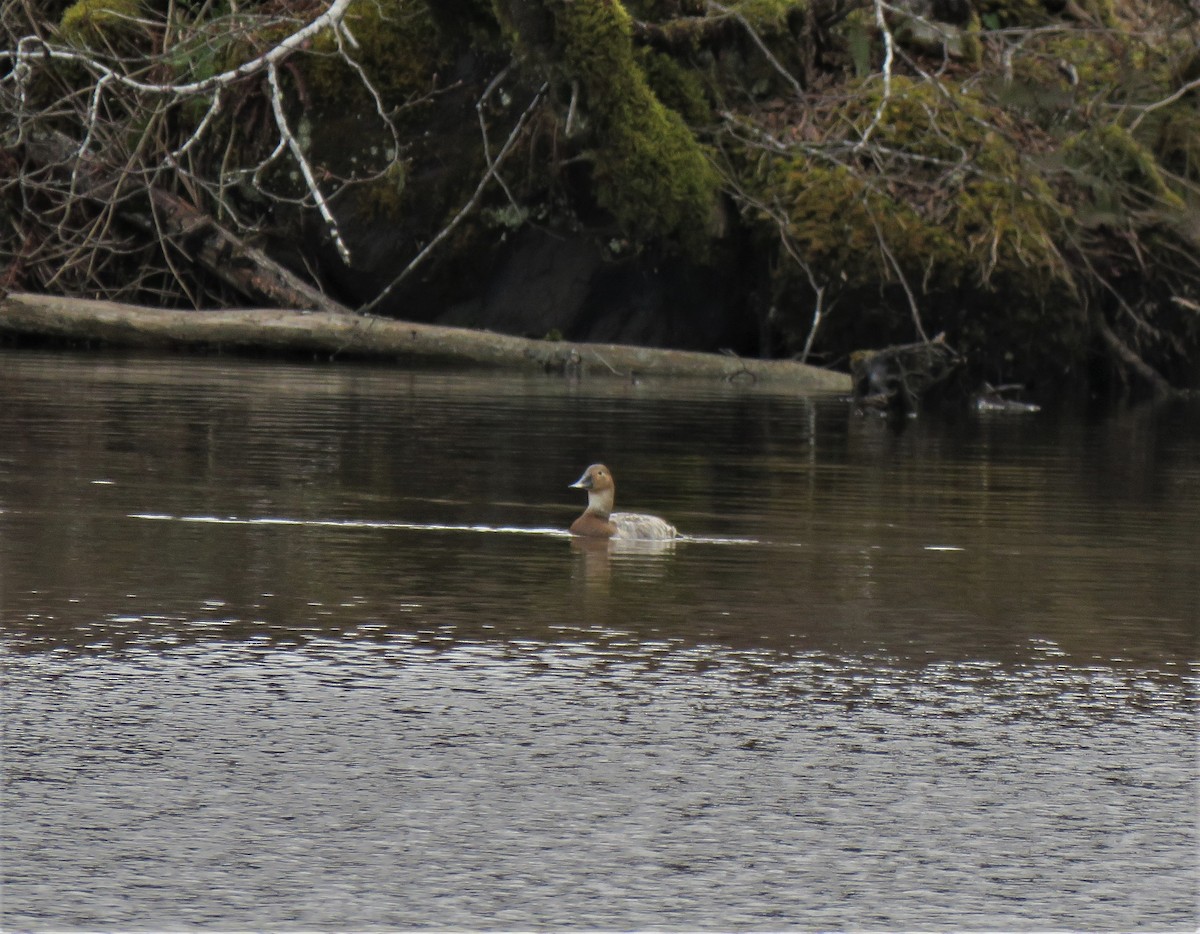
x=800, y=178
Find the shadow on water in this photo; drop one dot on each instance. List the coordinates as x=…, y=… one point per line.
x=308, y=646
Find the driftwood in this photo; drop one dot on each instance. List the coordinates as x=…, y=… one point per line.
x=334, y=334
x=895, y=379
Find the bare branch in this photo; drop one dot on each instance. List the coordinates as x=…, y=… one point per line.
x=136, y=129
x=487, y=153
x=285, y=135
x=762, y=46
x=885, y=71
x=466, y=209
x=220, y=251
x=818, y=291
x=32, y=48
x=912, y=300
x=1165, y=102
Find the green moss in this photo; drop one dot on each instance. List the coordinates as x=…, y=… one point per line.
x=650, y=172
x=1001, y=14
x=1057, y=71
x=767, y=16
x=397, y=44
x=658, y=10
x=462, y=23
x=89, y=22
x=677, y=87
x=1119, y=173
x=1177, y=140
x=954, y=209
x=399, y=50
x=856, y=32
x=971, y=43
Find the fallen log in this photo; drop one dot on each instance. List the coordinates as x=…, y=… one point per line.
x=333, y=334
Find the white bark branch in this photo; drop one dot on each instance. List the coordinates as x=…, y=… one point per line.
x=32, y=48
x=889, y=54
x=285, y=134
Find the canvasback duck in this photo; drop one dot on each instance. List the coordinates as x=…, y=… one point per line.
x=599, y=521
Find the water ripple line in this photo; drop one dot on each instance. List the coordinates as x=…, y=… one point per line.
x=418, y=526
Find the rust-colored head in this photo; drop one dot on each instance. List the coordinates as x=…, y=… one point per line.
x=594, y=523
x=596, y=478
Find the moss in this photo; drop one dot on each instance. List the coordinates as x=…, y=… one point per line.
x=1002, y=14
x=972, y=44
x=991, y=200
x=1056, y=72
x=91, y=22
x=856, y=33
x=397, y=45
x=658, y=10
x=962, y=213
x=677, y=87
x=1119, y=173
x=464, y=23
x=1177, y=141
x=767, y=16
x=649, y=170
x=399, y=50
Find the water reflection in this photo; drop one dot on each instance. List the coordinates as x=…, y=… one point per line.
x=307, y=646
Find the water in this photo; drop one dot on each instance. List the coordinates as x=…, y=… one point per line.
x=293, y=646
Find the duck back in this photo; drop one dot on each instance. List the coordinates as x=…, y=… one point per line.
x=637, y=525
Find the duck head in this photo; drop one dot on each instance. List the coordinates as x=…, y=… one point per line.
x=598, y=481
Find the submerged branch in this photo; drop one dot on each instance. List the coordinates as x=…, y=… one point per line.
x=1131, y=359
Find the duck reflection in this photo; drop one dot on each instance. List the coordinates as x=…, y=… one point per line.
x=644, y=559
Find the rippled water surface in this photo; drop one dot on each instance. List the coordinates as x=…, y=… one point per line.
x=292, y=646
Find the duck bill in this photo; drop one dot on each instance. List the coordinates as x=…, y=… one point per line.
x=583, y=483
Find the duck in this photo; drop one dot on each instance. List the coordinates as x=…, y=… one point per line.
x=599, y=521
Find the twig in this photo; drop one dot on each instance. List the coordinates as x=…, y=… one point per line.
x=343, y=35
x=214, y=108
x=1166, y=101
x=569, y=126
x=487, y=153
x=912, y=301
x=818, y=291
x=33, y=47
x=465, y=209
x=762, y=46
x=611, y=368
